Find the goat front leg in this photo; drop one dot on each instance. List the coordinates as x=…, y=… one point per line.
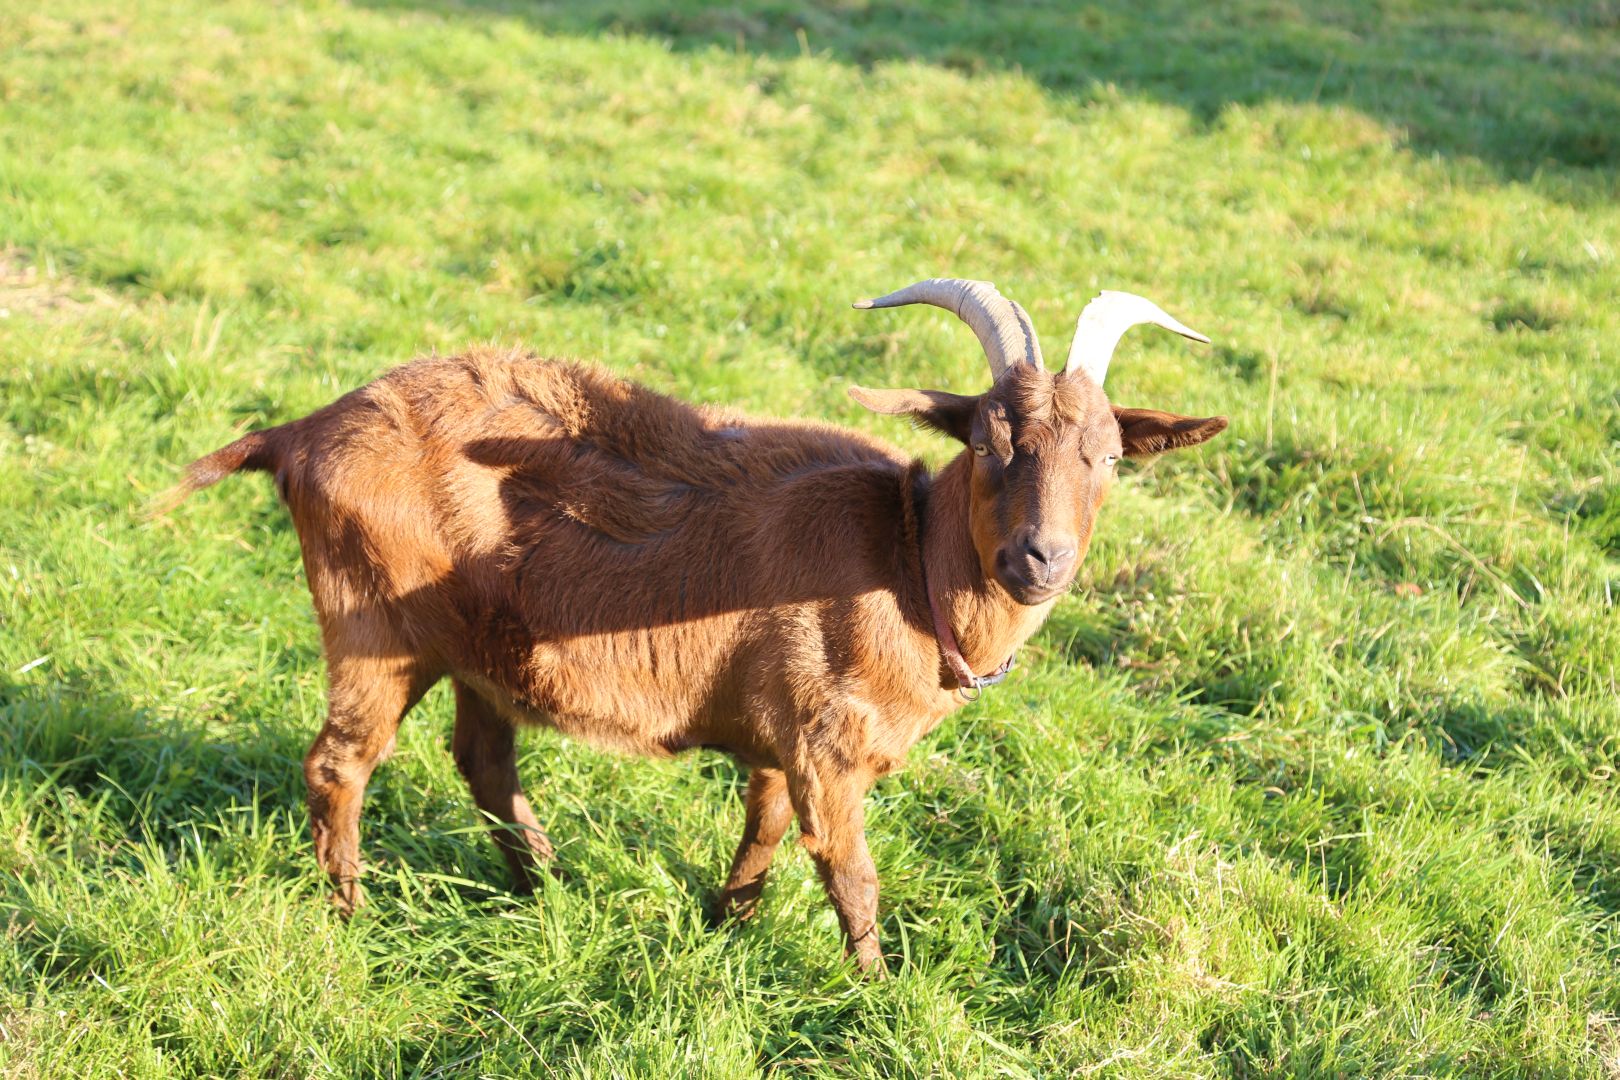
x=828, y=799
x=769, y=813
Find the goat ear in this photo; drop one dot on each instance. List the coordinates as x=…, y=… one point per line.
x=1146, y=432
x=950, y=414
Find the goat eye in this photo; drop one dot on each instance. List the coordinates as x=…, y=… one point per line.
x=980, y=449
x=1110, y=460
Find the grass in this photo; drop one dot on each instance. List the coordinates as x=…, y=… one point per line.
x=1316, y=774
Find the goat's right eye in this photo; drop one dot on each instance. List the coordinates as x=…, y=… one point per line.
x=980, y=449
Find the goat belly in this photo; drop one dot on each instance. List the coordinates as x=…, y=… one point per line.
x=638, y=691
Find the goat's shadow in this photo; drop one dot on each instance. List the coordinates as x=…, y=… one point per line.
x=73, y=736
x=169, y=779
x=1523, y=92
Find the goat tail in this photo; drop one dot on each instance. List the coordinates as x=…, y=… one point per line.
x=256, y=451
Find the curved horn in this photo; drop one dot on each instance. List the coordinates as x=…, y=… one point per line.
x=1105, y=320
x=1003, y=328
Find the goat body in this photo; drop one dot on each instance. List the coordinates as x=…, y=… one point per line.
x=576, y=551
x=573, y=550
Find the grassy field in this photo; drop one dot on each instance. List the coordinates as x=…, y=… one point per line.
x=1315, y=775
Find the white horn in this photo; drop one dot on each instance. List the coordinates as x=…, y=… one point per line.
x=1001, y=325
x=1105, y=320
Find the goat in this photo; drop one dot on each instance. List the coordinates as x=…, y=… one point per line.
x=573, y=550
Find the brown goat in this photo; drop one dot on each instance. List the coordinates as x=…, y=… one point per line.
x=576, y=551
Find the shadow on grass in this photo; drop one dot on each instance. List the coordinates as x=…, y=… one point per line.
x=106, y=776
x=161, y=778
x=1522, y=86
x=69, y=737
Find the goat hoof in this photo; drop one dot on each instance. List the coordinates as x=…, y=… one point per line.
x=874, y=970
x=347, y=898
x=868, y=958
x=720, y=914
x=730, y=907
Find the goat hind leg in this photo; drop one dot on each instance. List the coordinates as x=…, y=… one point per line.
x=768, y=815
x=367, y=698
x=484, y=746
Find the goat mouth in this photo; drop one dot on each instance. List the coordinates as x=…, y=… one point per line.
x=1035, y=595
x=1031, y=594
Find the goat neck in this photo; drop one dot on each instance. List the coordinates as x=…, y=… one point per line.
x=988, y=623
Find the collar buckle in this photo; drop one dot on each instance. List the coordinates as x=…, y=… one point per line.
x=973, y=689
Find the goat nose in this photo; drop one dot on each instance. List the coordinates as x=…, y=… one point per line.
x=1050, y=554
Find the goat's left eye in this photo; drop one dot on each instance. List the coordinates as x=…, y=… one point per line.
x=1110, y=460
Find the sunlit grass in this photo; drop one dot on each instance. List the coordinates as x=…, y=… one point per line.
x=1315, y=773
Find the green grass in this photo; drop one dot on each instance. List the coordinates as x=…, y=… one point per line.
x=1315, y=776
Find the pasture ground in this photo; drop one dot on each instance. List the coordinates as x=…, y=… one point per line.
x=1314, y=776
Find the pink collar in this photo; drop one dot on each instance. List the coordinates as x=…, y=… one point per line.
x=970, y=685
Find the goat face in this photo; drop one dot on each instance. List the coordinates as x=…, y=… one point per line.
x=1044, y=448
x=1046, y=445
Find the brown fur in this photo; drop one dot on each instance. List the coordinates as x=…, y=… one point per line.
x=575, y=551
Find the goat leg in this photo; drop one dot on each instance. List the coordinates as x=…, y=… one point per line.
x=485, y=748
x=769, y=812
x=366, y=700
x=834, y=825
